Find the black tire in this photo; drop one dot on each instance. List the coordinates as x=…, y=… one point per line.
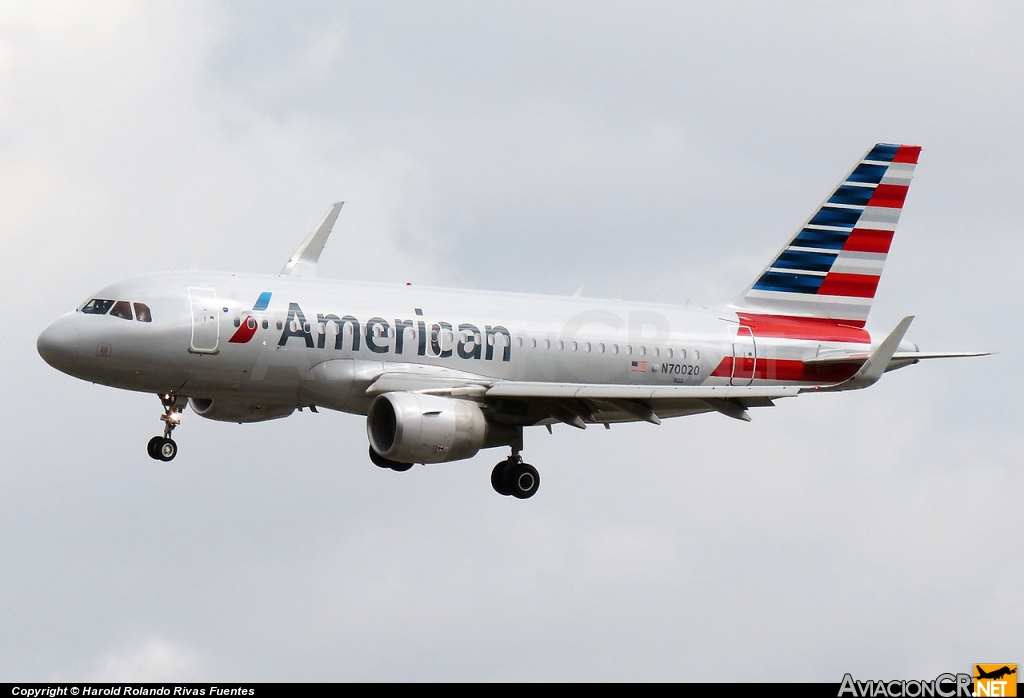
x=523, y=480
x=499, y=477
x=166, y=450
x=152, y=446
x=382, y=462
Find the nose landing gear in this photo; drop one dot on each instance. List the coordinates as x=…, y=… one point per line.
x=163, y=447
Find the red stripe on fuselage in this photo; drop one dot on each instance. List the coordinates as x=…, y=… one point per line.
x=791, y=370
x=852, y=285
x=862, y=240
x=816, y=329
x=245, y=332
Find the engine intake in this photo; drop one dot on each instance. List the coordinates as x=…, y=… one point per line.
x=417, y=428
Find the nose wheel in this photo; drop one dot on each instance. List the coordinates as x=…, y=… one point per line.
x=163, y=447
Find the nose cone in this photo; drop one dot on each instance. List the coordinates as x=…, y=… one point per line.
x=59, y=344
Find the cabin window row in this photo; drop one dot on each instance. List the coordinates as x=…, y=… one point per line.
x=601, y=348
x=447, y=339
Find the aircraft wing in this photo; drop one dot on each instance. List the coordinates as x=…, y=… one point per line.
x=578, y=403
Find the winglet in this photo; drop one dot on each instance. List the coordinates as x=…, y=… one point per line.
x=875, y=366
x=303, y=261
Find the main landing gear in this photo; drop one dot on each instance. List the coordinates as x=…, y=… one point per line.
x=163, y=447
x=512, y=477
x=382, y=462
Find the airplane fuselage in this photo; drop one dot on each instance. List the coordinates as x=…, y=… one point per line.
x=284, y=342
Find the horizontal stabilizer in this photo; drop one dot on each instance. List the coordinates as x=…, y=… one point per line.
x=303, y=261
x=876, y=364
x=898, y=356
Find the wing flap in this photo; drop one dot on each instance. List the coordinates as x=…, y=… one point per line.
x=596, y=391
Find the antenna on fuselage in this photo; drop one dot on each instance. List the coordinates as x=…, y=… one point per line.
x=303, y=260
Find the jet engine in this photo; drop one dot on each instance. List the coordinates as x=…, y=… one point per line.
x=240, y=411
x=417, y=428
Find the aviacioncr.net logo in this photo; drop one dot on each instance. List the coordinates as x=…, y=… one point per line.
x=942, y=686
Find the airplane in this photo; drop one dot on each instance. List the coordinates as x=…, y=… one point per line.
x=441, y=373
x=995, y=674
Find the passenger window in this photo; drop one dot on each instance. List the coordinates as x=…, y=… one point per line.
x=237, y=322
x=266, y=324
x=97, y=306
x=122, y=309
x=280, y=325
x=250, y=322
x=600, y=348
x=142, y=313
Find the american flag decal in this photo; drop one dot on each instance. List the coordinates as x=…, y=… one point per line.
x=639, y=366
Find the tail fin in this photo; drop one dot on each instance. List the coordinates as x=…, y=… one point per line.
x=830, y=269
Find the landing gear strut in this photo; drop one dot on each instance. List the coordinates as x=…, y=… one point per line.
x=163, y=447
x=512, y=477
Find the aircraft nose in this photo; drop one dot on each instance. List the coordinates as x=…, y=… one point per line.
x=59, y=344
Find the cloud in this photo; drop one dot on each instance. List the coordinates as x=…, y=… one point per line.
x=660, y=153
x=155, y=661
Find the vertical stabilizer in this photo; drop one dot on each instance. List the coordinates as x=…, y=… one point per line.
x=831, y=267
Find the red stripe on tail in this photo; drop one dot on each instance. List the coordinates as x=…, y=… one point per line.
x=907, y=153
x=862, y=240
x=851, y=285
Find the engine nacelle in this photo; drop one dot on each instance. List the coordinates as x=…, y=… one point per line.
x=240, y=411
x=417, y=428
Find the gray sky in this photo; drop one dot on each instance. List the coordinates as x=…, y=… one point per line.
x=649, y=151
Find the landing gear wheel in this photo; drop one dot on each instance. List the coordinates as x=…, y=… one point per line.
x=499, y=478
x=166, y=450
x=163, y=447
x=523, y=480
x=382, y=462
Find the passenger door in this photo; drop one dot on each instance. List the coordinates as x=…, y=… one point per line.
x=744, y=356
x=205, y=322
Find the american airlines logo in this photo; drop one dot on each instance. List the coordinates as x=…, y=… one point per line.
x=382, y=337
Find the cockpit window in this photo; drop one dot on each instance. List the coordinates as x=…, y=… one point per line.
x=97, y=306
x=142, y=313
x=122, y=309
